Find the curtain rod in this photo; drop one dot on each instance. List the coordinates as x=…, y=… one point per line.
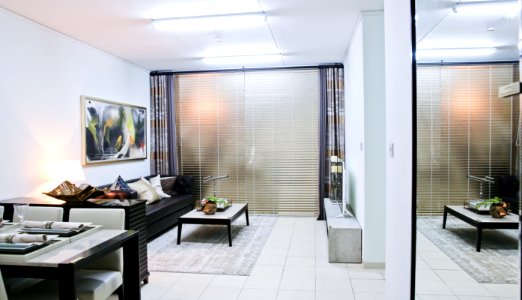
x=157, y=73
x=469, y=63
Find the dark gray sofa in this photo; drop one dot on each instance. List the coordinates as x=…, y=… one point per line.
x=163, y=214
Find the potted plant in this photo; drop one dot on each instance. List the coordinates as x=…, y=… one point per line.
x=210, y=204
x=497, y=207
x=221, y=203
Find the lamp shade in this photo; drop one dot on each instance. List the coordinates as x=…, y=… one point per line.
x=62, y=170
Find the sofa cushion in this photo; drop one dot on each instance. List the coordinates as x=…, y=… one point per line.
x=121, y=185
x=156, y=184
x=145, y=190
x=167, y=185
x=183, y=185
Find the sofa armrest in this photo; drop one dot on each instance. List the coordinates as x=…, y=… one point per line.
x=183, y=184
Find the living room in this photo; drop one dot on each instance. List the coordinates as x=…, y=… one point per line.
x=43, y=119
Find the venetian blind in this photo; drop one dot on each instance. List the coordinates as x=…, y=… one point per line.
x=463, y=128
x=260, y=128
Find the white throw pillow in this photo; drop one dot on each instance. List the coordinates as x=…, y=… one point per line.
x=145, y=190
x=156, y=184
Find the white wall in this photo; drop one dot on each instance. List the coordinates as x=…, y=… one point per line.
x=42, y=75
x=354, y=110
x=398, y=49
x=366, y=132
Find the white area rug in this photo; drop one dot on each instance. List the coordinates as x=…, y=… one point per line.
x=497, y=261
x=204, y=248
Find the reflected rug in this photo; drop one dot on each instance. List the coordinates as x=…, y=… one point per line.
x=497, y=261
x=204, y=248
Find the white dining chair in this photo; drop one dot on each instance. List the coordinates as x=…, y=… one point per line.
x=42, y=213
x=3, y=293
x=34, y=213
x=103, y=276
x=107, y=270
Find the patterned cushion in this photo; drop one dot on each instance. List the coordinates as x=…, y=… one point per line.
x=121, y=185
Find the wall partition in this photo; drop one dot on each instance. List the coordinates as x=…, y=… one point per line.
x=260, y=128
x=463, y=129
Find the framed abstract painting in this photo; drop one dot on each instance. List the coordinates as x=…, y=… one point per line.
x=112, y=131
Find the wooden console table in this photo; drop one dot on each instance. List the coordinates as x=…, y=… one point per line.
x=511, y=221
x=134, y=217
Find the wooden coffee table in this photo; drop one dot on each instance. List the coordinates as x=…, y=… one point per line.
x=225, y=217
x=510, y=221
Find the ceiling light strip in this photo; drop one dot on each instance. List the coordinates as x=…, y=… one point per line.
x=210, y=21
x=453, y=52
x=242, y=59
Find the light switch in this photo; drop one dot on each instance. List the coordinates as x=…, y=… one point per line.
x=391, y=149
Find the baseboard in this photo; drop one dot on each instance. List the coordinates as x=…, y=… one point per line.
x=374, y=265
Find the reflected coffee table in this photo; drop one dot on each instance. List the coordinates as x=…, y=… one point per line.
x=225, y=217
x=481, y=222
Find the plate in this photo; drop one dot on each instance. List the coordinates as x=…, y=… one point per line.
x=21, y=248
x=57, y=231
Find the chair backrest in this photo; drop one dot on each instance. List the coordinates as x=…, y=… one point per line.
x=42, y=213
x=109, y=218
x=1, y=211
x=3, y=292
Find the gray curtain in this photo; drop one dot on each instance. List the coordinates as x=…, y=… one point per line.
x=163, y=158
x=331, y=127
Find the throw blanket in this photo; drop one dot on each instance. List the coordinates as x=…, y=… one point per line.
x=52, y=225
x=22, y=238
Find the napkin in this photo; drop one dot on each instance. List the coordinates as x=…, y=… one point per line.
x=22, y=238
x=52, y=225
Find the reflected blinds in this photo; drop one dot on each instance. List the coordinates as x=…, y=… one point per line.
x=260, y=128
x=463, y=128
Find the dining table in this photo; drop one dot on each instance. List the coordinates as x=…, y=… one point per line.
x=60, y=258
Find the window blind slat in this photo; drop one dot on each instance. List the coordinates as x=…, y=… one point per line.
x=260, y=128
x=463, y=128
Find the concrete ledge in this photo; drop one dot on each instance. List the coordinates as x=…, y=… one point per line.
x=344, y=236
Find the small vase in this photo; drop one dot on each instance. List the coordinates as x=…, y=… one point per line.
x=498, y=210
x=210, y=208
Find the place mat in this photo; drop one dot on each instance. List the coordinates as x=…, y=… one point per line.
x=57, y=231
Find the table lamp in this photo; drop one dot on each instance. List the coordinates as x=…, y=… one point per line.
x=61, y=170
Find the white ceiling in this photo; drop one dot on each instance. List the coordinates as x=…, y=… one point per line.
x=439, y=27
x=306, y=32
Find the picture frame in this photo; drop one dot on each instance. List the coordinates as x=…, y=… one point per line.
x=112, y=131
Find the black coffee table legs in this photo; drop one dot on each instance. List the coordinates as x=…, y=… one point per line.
x=179, y=231
x=479, y=238
x=229, y=230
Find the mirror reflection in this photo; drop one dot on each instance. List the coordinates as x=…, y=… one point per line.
x=468, y=150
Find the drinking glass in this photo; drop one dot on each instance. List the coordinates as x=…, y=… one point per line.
x=20, y=210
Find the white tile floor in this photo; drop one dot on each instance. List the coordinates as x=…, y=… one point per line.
x=439, y=278
x=292, y=265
